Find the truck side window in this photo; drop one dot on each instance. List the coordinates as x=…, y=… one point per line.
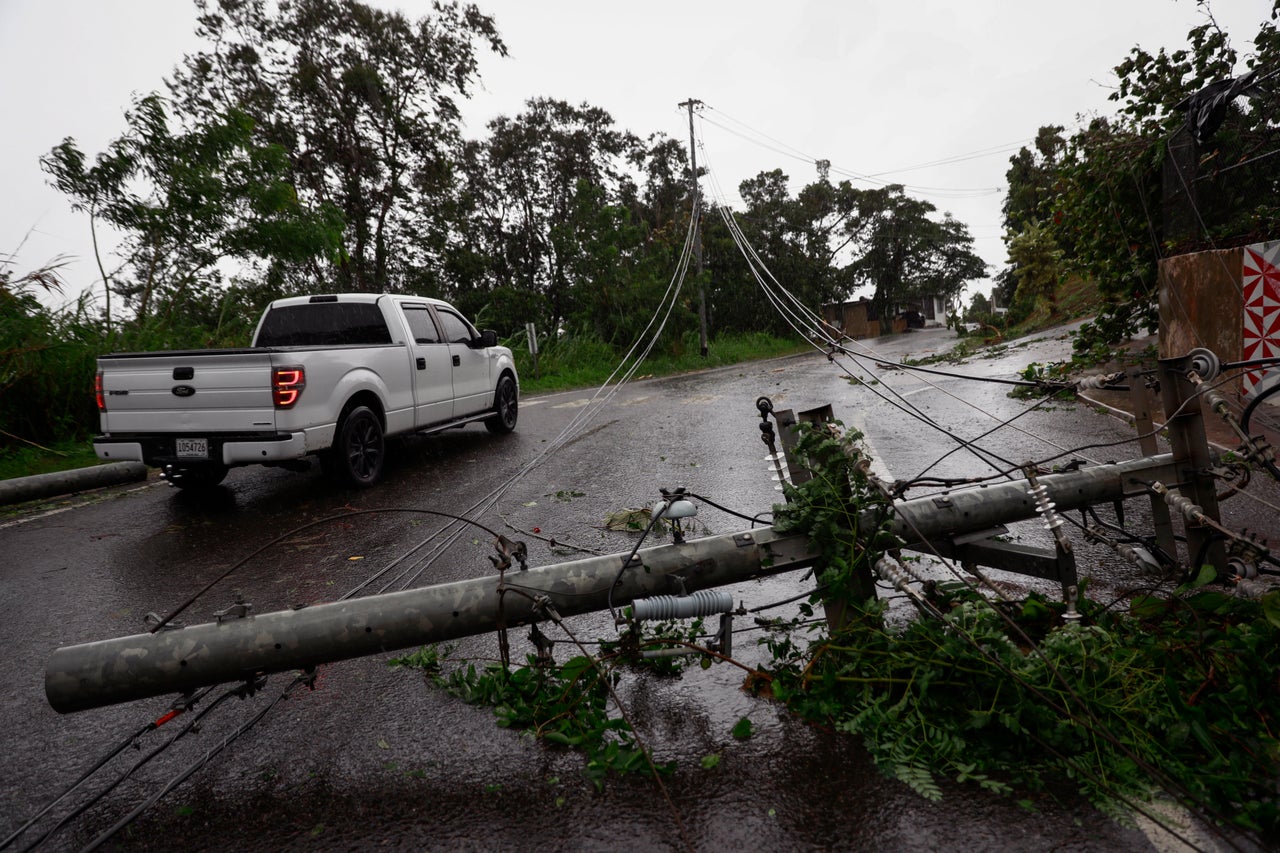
x=421, y=326
x=456, y=329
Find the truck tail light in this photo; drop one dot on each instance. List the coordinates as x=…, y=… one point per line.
x=97, y=392
x=286, y=386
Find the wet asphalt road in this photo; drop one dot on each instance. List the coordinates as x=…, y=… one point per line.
x=376, y=758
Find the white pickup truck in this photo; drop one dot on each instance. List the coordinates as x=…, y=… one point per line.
x=326, y=375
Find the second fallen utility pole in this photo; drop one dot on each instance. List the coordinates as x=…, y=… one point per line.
x=696, y=213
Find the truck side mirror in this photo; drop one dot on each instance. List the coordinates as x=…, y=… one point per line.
x=488, y=338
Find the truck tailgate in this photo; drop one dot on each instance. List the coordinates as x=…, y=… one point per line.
x=197, y=391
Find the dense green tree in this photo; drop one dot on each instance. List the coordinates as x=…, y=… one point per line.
x=803, y=241
x=905, y=255
x=1107, y=219
x=767, y=222
x=45, y=359
x=830, y=240
x=952, y=262
x=979, y=306
x=1033, y=183
x=364, y=102
x=1032, y=176
x=1129, y=189
x=549, y=170
x=734, y=299
x=663, y=201
x=185, y=200
x=1036, y=261
x=825, y=222
x=620, y=281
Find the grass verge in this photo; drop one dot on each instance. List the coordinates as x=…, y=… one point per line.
x=587, y=363
x=24, y=461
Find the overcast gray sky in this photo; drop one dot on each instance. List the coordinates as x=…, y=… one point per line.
x=880, y=89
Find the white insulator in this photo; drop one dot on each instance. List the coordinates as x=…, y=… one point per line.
x=1213, y=398
x=1184, y=505
x=1098, y=380
x=892, y=572
x=673, y=510
x=704, y=602
x=896, y=572
x=1205, y=363
x=1040, y=493
x=911, y=573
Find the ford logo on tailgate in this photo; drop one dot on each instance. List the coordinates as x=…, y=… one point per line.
x=183, y=390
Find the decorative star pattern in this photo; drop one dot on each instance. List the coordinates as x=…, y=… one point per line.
x=1261, y=279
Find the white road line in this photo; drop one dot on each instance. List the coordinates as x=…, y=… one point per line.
x=878, y=466
x=63, y=509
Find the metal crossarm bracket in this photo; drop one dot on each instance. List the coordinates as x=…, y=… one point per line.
x=1007, y=557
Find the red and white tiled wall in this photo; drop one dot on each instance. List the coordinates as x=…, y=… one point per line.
x=1261, y=279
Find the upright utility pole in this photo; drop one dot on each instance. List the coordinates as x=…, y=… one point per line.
x=697, y=222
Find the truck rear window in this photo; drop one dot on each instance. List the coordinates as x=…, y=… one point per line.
x=324, y=324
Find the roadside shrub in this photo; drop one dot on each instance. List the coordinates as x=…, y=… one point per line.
x=47, y=361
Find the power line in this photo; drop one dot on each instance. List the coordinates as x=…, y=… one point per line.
x=960, y=158
x=790, y=151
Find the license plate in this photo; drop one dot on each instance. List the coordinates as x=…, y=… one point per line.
x=192, y=448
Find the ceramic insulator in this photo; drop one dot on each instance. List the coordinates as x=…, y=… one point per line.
x=704, y=602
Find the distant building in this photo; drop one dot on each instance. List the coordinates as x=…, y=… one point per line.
x=855, y=319
x=858, y=318
x=934, y=309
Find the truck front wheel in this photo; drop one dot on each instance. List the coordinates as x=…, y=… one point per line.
x=506, y=407
x=358, y=451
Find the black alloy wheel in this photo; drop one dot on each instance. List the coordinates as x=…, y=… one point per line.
x=506, y=407
x=359, y=449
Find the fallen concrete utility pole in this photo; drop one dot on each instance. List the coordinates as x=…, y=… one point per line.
x=182, y=659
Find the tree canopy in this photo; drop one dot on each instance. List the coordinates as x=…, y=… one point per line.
x=1122, y=192
x=185, y=202
x=365, y=102
x=316, y=145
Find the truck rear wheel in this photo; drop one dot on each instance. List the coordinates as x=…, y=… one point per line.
x=506, y=407
x=358, y=451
